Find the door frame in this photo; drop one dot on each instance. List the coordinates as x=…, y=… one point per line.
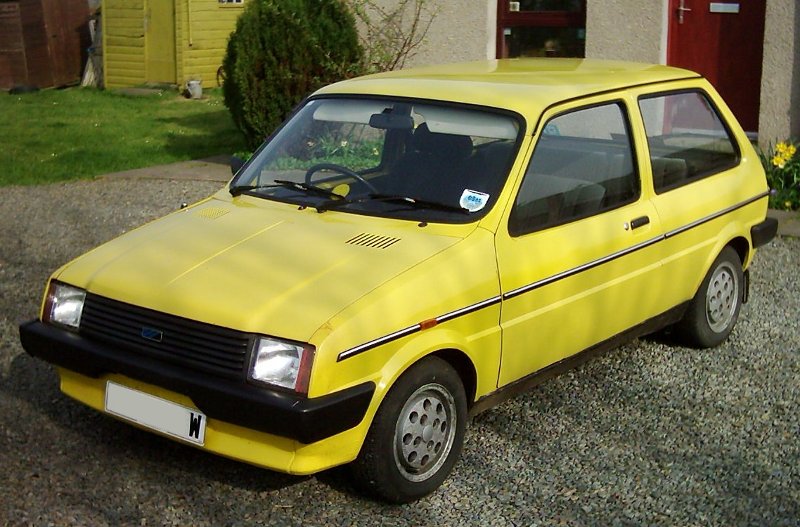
x=508, y=19
x=720, y=73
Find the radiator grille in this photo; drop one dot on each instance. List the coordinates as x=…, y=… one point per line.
x=196, y=345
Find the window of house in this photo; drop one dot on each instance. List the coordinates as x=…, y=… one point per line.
x=583, y=164
x=541, y=28
x=686, y=137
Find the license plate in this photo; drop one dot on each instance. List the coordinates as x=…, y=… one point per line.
x=156, y=413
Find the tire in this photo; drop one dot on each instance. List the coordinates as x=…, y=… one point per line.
x=416, y=435
x=713, y=311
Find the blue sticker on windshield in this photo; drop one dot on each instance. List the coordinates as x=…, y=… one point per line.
x=472, y=200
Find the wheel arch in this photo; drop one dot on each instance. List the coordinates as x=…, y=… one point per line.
x=461, y=362
x=714, y=309
x=739, y=244
x=742, y=248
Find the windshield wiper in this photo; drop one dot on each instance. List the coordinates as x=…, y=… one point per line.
x=406, y=200
x=294, y=185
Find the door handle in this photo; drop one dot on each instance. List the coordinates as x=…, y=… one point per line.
x=681, y=10
x=635, y=223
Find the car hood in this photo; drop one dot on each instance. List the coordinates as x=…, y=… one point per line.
x=256, y=265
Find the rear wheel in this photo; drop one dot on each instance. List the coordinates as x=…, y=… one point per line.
x=416, y=436
x=714, y=310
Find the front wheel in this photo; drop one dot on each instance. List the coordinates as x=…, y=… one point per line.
x=714, y=310
x=416, y=435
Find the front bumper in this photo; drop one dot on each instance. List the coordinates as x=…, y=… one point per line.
x=283, y=414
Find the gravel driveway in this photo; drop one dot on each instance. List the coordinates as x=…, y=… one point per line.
x=651, y=433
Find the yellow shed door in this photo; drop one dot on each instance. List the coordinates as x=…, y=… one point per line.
x=160, y=41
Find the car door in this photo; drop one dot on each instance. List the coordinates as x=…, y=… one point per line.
x=579, y=261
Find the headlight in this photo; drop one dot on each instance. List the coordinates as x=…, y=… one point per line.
x=281, y=363
x=64, y=305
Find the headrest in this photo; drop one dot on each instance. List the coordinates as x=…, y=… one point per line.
x=454, y=147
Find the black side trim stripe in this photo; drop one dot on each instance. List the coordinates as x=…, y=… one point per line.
x=716, y=215
x=585, y=267
x=361, y=348
x=417, y=327
x=469, y=309
x=629, y=250
x=377, y=342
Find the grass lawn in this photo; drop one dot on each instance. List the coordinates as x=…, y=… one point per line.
x=57, y=135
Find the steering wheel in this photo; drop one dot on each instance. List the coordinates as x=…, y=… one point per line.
x=342, y=170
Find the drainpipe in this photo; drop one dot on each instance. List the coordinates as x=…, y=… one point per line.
x=189, y=12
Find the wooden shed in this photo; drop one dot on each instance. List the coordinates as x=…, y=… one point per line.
x=166, y=41
x=43, y=43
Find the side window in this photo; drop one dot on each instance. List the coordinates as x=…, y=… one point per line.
x=686, y=137
x=583, y=164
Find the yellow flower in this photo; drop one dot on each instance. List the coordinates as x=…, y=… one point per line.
x=778, y=161
x=785, y=150
x=788, y=205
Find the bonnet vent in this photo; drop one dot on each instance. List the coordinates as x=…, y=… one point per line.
x=212, y=213
x=373, y=240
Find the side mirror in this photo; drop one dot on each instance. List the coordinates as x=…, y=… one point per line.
x=236, y=164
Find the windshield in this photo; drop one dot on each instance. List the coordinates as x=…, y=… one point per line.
x=392, y=158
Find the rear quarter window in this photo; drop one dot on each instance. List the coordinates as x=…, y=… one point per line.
x=687, y=138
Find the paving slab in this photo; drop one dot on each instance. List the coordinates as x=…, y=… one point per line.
x=216, y=168
x=788, y=222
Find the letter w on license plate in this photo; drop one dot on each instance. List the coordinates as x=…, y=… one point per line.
x=156, y=413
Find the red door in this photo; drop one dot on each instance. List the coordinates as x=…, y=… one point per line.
x=723, y=41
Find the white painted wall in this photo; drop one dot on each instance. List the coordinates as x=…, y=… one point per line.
x=779, y=116
x=626, y=30
x=462, y=30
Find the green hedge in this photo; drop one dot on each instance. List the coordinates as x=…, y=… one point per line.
x=280, y=52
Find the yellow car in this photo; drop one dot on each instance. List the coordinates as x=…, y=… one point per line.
x=411, y=248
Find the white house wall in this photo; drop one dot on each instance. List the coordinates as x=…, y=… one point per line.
x=779, y=116
x=461, y=31
x=626, y=30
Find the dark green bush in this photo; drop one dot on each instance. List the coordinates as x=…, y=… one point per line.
x=281, y=51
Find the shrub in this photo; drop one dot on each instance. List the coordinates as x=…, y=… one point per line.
x=280, y=52
x=392, y=33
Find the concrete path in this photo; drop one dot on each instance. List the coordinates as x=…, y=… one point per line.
x=788, y=222
x=217, y=168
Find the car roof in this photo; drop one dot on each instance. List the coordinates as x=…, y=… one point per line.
x=526, y=86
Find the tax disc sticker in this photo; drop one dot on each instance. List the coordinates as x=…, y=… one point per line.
x=472, y=200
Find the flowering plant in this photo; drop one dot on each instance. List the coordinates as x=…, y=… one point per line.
x=782, y=165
